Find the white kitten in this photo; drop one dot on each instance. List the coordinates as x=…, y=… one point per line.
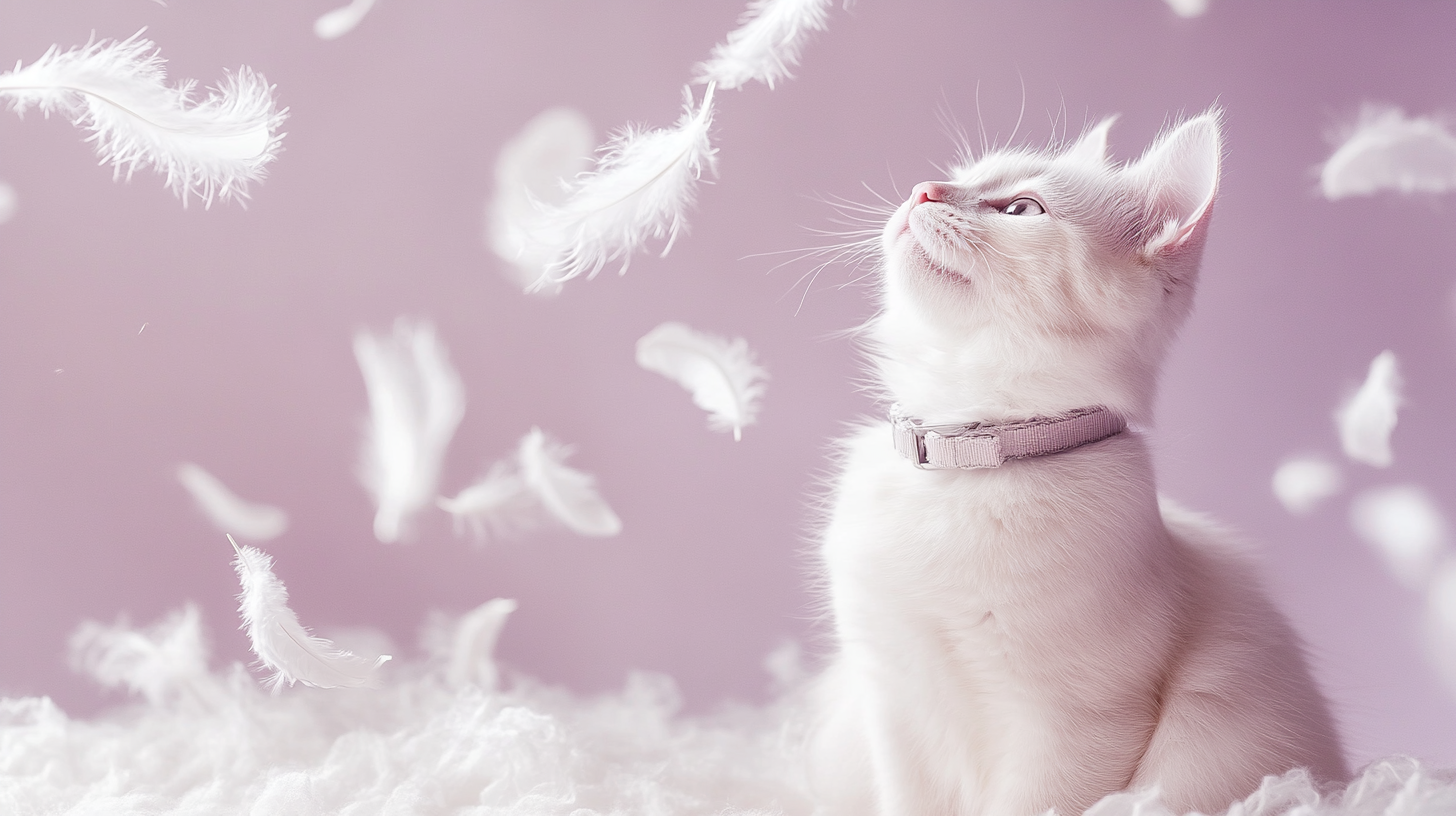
x=1040, y=634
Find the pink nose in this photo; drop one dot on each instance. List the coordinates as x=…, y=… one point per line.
x=931, y=191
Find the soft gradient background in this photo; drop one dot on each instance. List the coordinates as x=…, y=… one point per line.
x=375, y=210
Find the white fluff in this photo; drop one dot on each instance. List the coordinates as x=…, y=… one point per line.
x=341, y=21
x=9, y=202
x=766, y=45
x=1188, y=8
x=720, y=374
x=166, y=661
x=640, y=189
x=465, y=646
x=1387, y=151
x=1302, y=482
x=569, y=495
x=416, y=400
x=534, y=169
x=226, y=510
x=499, y=505
x=1367, y=419
x=1441, y=615
x=1405, y=526
x=118, y=91
x=280, y=641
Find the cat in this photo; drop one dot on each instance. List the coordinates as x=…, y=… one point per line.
x=1040, y=634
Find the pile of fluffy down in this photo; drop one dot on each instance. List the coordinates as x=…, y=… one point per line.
x=217, y=743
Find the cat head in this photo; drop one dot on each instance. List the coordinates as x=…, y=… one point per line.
x=1032, y=282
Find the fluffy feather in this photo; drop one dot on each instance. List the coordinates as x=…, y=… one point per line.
x=1402, y=523
x=498, y=505
x=720, y=374
x=767, y=43
x=280, y=641
x=1441, y=617
x=642, y=185
x=226, y=510
x=1188, y=8
x=335, y=24
x=118, y=91
x=466, y=645
x=1366, y=420
x=1387, y=151
x=534, y=169
x=1301, y=483
x=9, y=202
x=416, y=400
x=167, y=660
x=569, y=495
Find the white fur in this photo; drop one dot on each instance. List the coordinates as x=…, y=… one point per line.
x=1046, y=633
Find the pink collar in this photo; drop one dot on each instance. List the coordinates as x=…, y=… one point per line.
x=987, y=445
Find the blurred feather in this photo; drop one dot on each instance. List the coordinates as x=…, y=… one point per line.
x=766, y=45
x=569, y=495
x=1367, y=419
x=415, y=402
x=466, y=645
x=640, y=189
x=1387, y=151
x=280, y=641
x=9, y=202
x=227, y=512
x=498, y=505
x=720, y=374
x=1303, y=482
x=532, y=170
x=341, y=21
x=118, y=91
x=1188, y=8
x=166, y=661
x=1405, y=526
x=1441, y=613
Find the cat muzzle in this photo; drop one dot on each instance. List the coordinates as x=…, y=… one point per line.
x=989, y=445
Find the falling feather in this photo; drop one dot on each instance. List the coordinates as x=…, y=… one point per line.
x=568, y=495
x=227, y=512
x=118, y=92
x=280, y=641
x=500, y=505
x=466, y=645
x=9, y=202
x=720, y=374
x=166, y=661
x=1387, y=151
x=767, y=43
x=1404, y=526
x=1441, y=613
x=341, y=21
x=640, y=189
x=532, y=170
x=1188, y=8
x=1302, y=482
x=416, y=400
x=1367, y=419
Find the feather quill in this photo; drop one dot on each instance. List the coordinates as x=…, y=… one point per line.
x=567, y=494
x=335, y=24
x=640, y=189
x=118, y=91
x=720, y=374
x=226, y=510
x=766, y=45
x=416, y=400
x=281, y=642
x=534, y=169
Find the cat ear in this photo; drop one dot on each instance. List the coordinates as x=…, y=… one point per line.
x=1179, y=177
x=1092, y=147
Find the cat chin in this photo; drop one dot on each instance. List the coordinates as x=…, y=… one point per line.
x=914, y=261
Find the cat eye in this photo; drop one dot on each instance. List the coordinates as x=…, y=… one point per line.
x=1024, y=206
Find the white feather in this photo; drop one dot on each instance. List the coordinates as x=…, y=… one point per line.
x=499, y=505
x=767, y=43
x=280, y=641
x=118, y=91
x=720, y=374
x=165, y=661
x=1441, y=614
x=341, y=21
x=9, y=202
x=532, y=170
x=1366, y=420
x=1387, y=151
x=569, y=495
x=640, y=189
x=227, y=512
x=1301, y=483
x=466, y=645
x=1405, y=527
x=416, y=400
x=1188, y=8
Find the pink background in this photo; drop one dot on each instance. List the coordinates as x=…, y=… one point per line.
x=375, y=210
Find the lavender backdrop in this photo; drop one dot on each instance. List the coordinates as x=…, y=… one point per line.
x=135, y=334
